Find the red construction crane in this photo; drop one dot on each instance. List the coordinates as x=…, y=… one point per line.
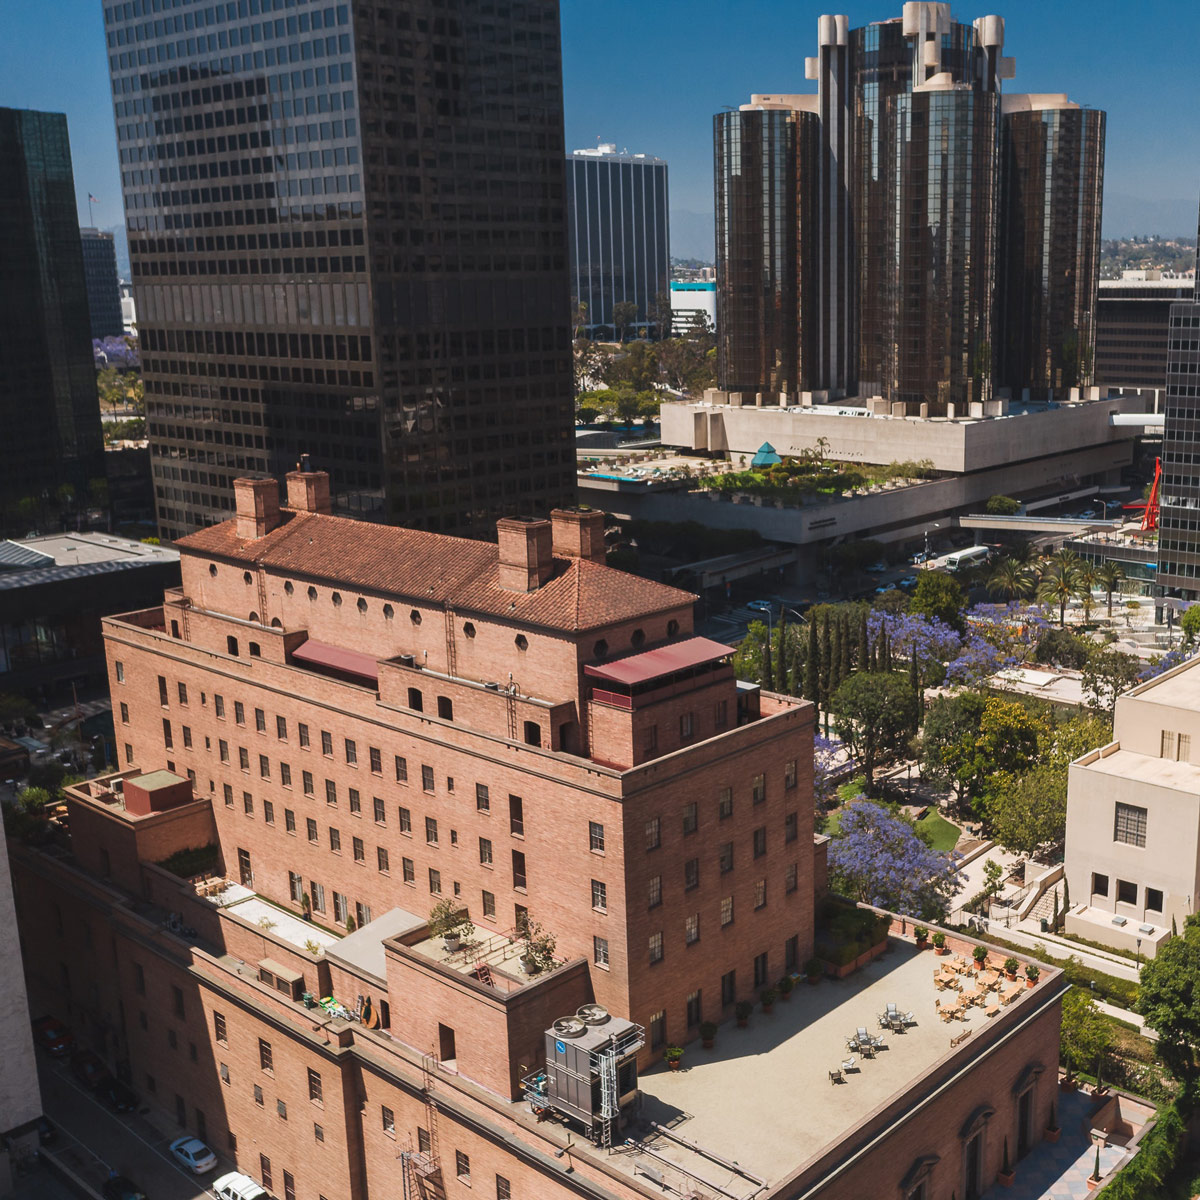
x=1150, y=517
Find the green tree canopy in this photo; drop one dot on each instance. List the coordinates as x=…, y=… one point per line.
x=874, y=714
x=624, y=314
x=1169, y=998
x=1086, y=1036
x=1106, y=674
x=939, y=597
x=1190, y=623
x=1003, y=506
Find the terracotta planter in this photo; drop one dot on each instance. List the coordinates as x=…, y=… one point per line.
x=1031, y=983
x=1005, y=1178
x=941, y=950
x=673, y=1064
x=1051, y=1135
x=1068, y=1085
x=922, y=943
x=768, y=1008
x=1092, y=1183
x=813, y=980
x=707, y=1043
x=1011, y=976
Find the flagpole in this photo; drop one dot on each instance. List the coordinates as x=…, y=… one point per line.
x=90, y=221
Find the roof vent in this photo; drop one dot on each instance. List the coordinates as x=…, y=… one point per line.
x=569, y=1027
x=1120, y=920
x=593, y=1014
x=406, y=660
x=492, y=687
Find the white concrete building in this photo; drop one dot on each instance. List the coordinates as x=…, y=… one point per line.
x=1133, y=818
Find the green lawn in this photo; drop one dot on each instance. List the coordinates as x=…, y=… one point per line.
x=944, y=834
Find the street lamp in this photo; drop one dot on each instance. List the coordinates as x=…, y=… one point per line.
x=1139, y=952
x=935, y=525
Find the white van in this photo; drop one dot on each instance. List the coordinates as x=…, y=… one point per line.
x=971, y=557
x=236, y=1186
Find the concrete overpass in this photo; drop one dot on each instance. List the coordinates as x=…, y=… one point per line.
x=1141, y=420
x=1038, y=524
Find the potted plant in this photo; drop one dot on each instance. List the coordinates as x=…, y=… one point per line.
x=674, y=1056
x=708, y=1033
x=450, y=923
x=1006, y=1172
x=921, y=934
x=768, y=996
x=306, y=907
x=980, y=956
x=785, y=985
x=939, y=942
x=1010, y=968
x=1052, y=1131
x=538, y=952
x=813, y=970
x=1068, y=1082
x=743, y=1009
x=1032, y=972
x=1093, y=1180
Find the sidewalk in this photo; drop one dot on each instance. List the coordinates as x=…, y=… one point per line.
x=1061, y=949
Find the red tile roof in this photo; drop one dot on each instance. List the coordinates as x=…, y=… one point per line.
x=666, y=660
x=433, y=568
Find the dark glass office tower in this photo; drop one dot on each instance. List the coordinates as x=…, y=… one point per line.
x=1179, y=516
x=765, y=193
x=1052, y=190
x=48, y=402
x=103, y=285
x=347, y=237
x=618, y=235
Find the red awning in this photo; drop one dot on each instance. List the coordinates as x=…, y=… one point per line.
x=666, y=660
x=350, y=662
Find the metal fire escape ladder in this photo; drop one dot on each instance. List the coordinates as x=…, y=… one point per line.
x=262, y=597
x=451, y=653
x=609, y=1096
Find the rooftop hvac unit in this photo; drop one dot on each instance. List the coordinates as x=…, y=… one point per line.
x=593, y=1014
x=406, y=660
x=569, y=1027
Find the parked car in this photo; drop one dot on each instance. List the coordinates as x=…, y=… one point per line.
x=47, y=1131
x=193, y=1154
x=118, y=1187
x=53, y=1036
x=236, y=1186
x=877, y=568
x=89, y=1070
x=762, y=606
x=116, y=1095
x=909, y=581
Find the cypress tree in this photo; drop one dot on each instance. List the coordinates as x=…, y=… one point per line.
x=914, y=679
x=812, y=663
x=767, y=681
x=826, y=651
x=781, y=652
x=847, y=647
x=835, y=657
x=864, y=643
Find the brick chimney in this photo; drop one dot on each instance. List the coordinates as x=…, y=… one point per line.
x=579, y=533
x=526, y=554
x=257, y=503
x=308, y=490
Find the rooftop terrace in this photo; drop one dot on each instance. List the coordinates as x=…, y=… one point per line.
x=726, y=1101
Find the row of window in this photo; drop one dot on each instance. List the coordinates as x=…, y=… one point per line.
x=1127, y=892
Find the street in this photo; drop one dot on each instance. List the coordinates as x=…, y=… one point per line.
x=93, y=1141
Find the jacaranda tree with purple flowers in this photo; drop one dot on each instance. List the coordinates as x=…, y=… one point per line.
x=879, y=859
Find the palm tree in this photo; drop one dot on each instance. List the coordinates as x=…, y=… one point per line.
x=1011, y=579
x=1059, y=585
x=1110, y=576
x=1088, y=579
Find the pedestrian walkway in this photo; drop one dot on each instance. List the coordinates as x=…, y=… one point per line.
x=1061, y=949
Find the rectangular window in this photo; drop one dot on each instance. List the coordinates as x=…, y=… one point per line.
x=281, y=1109
x=1183, y=747
x=760, y=842
x=503, y=1188
x=381, y=857
x=1099, y=884
x=725, y=857
x=728, y=988
x=248, y=804
x=281, y=728
x=311, y=826
x=693, y=1009
x=239, y=712
x=260, y=720
x=1129, y=825
x=303, y=734
x=266, y=1060
x=791, y=827
x=124, y=713
x=721, y=714
x=725, y=803
x=462, y=1166
x=168, y=740
x=516, y=816
x=360, y=852
x=376, y=760
x=306, y=781
x=760, y=970
x=264, y=1170
x=289, y=1184
x=378, y=810
x=431, y=832
x=426, y=779
x=595, y=836
x=485, y=851
x=355, y=801
x=405, y=820
x=435, y=882
x=1154, y=899
x=335, y=840
x=120, y=669
x=187, y=737
x=760, y=893
x=789, y=774
x=653, y=833
x=656, y=947
x=401, y=769
x=482, y=800
x=518, y=869
x=389, y=1121
x=243, y=758
x=289, y=820
x=285, y=775
x=162, y=691
x=691, y=817
x=599, y=895
x=409, y=870
x=351, y=752
x=327, y=743
x=726, y=910
x=489, y=904
x=264, y=767
x=295, y=886
x=219, y=1030
x=791, y=878
x=330, y=792
x=1167, y=745
x=658, y=1029
x=654, y=892
x=317, y=891
x=1126, y=892
x=219, y=706
x=686, y=726
x=651, y=739
x=318, y=1132
x=341, y=908
x=758, y=789
x=600, y=951
x=691, y=929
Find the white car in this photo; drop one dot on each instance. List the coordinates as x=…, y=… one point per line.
x=236, y=1186
x=193, y=1154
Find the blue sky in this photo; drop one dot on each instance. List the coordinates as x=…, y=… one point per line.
x=649, y=76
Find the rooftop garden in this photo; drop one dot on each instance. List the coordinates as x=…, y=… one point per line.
x=798, y=478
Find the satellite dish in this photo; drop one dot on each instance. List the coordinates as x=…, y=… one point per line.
x=569, y=1027
x=593, y=1014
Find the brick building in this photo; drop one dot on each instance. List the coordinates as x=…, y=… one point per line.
x=358, y=721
